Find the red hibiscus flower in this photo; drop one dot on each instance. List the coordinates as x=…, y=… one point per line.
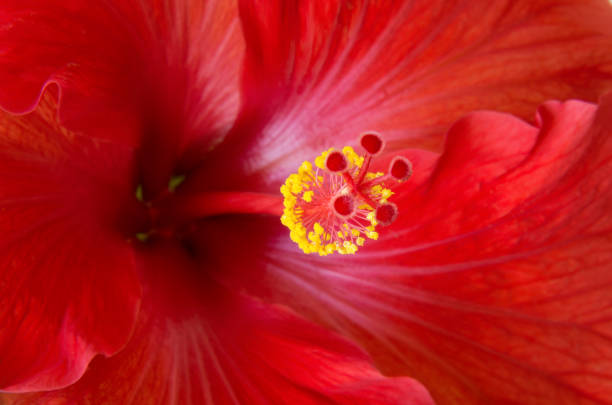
x=144, y=143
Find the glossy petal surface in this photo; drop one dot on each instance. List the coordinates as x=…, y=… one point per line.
x=320, y=73
x=167, y=73
x=199, y=343
x=68, y=287
x=493, y=285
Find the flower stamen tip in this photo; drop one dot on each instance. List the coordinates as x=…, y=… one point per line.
x=400, y=168
x=343, y=205
x=372, y=142
x=386, y=213
x=336, y=162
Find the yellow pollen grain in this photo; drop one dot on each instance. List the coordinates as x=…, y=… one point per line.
x=307, y=196
x=320, y=160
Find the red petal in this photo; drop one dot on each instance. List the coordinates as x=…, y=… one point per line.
x=165, y=71
x=70, y=43
x=198, y=343
x=319, y=73
x=68, y=289
x=494, y=285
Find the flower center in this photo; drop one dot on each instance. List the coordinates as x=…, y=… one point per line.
x=336, y=206
x=333, y=206
x=174, y=214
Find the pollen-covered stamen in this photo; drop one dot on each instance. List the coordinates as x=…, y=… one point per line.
x=335, y=205
x=325, y=212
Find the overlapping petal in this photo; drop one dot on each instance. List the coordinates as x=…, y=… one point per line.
x=166, y=72
x=198, y=343
x=493, y=286
x=319, y=73
x=74, y=44
x=68, y=287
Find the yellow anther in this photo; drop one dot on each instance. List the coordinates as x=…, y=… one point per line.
x=295, y=237
x=352, y=156
x=314, y=238
x=318, y=228
x=289, y=202
x=296, y=188
x=307, y=196
x=305, y=168
x=371, y=176
x=349, y=247
x=320, y=160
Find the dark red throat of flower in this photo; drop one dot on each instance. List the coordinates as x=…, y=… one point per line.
x=173, y=215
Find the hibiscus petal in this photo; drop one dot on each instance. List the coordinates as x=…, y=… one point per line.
x=68, y=289
x=494, y=284
x=198, y=343
x=70, y=43
x=165, y=72
x=319, y=73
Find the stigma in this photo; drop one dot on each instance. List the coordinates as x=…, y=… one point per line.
x=335, y=205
